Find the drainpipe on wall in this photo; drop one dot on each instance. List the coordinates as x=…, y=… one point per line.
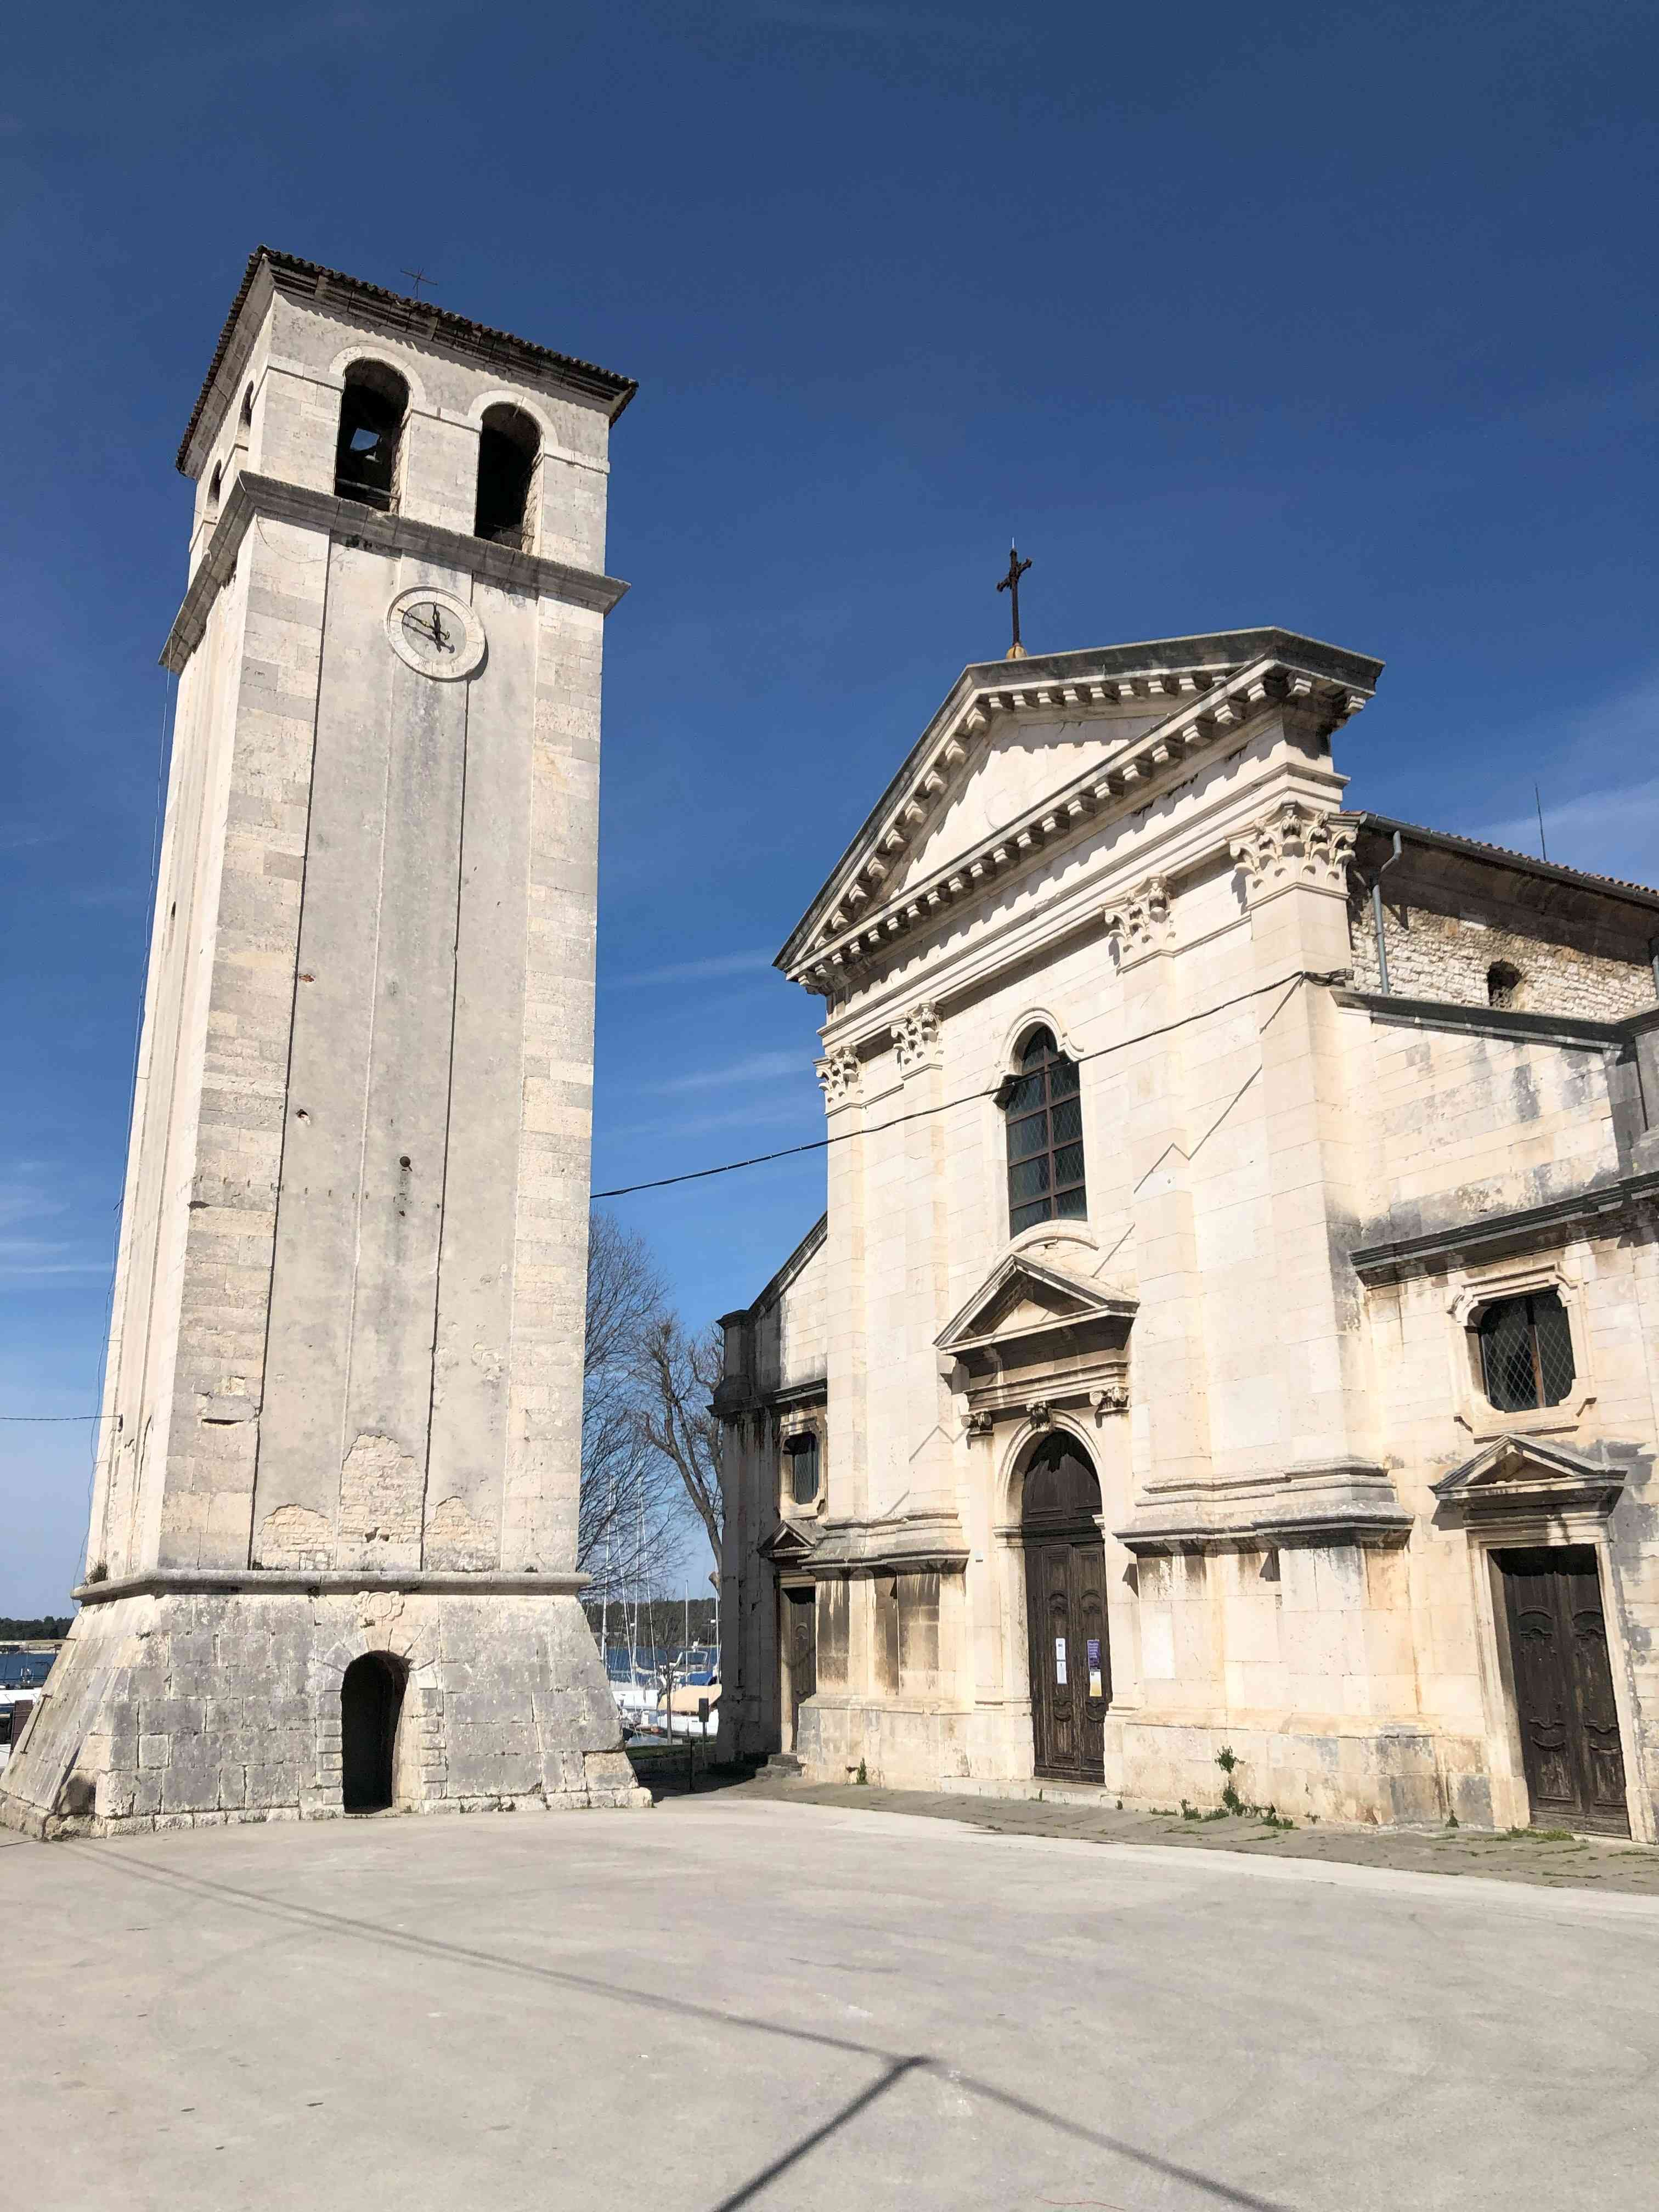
x=1377, y=919
x=1653, y=947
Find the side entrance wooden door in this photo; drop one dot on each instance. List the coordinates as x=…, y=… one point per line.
x=1066, y=1612
x=1575, y=1765
x=800, y=1648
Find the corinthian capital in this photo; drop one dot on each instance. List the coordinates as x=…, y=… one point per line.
x=840, y=1078
x=1139, y=921
x=915, y=1040
x=1296, y=843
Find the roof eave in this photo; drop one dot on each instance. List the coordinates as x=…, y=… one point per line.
x=393, y=311
x=1520, y=864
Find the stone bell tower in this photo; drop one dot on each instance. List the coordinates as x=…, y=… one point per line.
x=332, y=1557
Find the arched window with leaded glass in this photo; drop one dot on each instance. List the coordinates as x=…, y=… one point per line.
x=1042, y=1105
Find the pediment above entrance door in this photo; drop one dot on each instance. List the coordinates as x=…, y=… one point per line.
x=1024, y=1298
x=789, y=1544
x=1518, y=1477
x=1034, y=1334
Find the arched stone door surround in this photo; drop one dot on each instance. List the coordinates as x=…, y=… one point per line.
x=1065, y=1589
x=371, y=1706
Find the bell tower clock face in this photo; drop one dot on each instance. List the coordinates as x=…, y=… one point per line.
x=434, y=633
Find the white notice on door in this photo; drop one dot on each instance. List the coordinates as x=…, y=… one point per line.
x=1060, y=1661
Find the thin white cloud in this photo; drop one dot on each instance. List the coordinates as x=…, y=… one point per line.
x=32, y=1260
x=1614, y=831
x=1592, y=768
x=690, y=971
x=22, y=1198
x=759, y=1113
x=758, y=1067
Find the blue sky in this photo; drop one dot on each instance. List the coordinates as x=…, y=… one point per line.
x=1338, y=317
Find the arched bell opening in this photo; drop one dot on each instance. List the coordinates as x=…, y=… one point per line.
x=509, y=448
x=371, y=1706
x=373, y=409
x=1066, y=1609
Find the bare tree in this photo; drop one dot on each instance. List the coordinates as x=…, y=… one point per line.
x=680, y=1371
x=632, y=1508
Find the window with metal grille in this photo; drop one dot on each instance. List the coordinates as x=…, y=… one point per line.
x=372, y=407
x=802, y=1452
x=1526, y=1352
x=1044, y=1114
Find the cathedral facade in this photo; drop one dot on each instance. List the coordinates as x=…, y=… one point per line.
x=1228, y=1368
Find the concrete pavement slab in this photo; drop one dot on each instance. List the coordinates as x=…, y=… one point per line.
x=734, y=2002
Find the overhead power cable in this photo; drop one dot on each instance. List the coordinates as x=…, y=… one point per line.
x=1294, y=980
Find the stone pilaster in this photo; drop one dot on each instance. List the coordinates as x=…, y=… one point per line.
x=1171, y=1378
x=919, y=1049
x=841, y=1078
x=1294, y=862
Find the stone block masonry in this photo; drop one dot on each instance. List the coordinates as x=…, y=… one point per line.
x=190, y=1709
x=1450, y=957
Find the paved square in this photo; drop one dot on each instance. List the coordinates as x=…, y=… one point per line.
x=726, y=2002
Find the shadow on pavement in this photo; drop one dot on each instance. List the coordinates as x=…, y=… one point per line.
x=895, y=2065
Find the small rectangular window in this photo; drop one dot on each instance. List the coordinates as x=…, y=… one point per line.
x=802, y=1453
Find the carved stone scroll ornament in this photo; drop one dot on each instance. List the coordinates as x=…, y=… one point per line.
x=840, y=1078
x=1112, y=1398
x=1296, y=844
x=1140, y=921
x=1037, y=1413
x=915, y=1040
x=980, y=1422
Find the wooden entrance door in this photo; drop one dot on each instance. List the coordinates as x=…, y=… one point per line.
x=800, y=1651
x=1575, y=1765
x=1066, y=1612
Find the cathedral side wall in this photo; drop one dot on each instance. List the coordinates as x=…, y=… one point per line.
x=1466, y=1127
x=1448, y=956
x=786, y=1343
x=1462, y=1126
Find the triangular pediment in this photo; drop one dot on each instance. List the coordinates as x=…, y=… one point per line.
x=1024, y=752
x=788, y=1544
x=1024, y=1297
x=1514, y=1473
x=1020, y=766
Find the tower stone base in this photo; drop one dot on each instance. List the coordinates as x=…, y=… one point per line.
x=191, y=1700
